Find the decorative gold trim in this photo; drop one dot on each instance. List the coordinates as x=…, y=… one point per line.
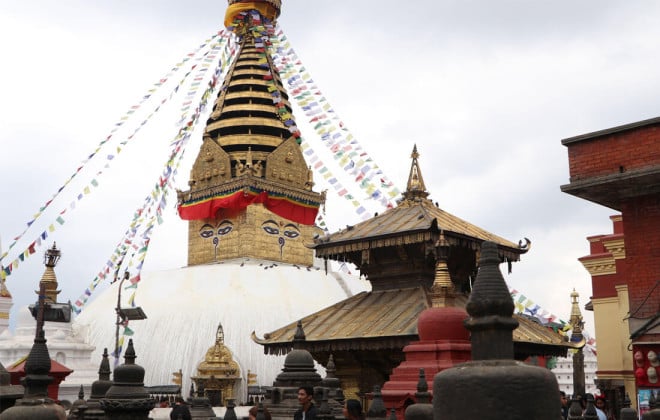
x=246, y=181
x=616, y=247
x=600, y=266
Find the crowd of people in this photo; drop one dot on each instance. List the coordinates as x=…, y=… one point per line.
x=352, y=408
x=600, y=404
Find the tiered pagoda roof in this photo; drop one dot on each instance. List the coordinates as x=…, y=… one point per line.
x=399, y=251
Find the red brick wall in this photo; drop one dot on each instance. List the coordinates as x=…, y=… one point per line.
x=628, y=150
x=641, y=220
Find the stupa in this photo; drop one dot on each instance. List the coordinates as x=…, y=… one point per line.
x=66, y=347
x=217, y=373
x=251, y=211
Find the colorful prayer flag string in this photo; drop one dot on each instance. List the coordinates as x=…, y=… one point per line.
x=86, y=190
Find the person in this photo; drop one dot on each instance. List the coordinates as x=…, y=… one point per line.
x=353, y=410
x=600, y=407
x=564, y=405
x=180, y=410
x=307, y=411
x=252, y=414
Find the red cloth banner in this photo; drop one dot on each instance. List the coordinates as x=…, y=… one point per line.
x=282, y=206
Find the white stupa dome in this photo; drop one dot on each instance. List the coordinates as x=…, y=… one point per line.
x=184, y=307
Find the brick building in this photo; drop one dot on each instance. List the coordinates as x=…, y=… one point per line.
x=620, y=168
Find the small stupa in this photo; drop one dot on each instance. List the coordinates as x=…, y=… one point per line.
x=299, y=370
x=127, y=398
x=218, y=374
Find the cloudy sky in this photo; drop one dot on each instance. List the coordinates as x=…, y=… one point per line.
x=487, y=90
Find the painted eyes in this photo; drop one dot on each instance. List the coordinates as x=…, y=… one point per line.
x=224, y=228
x=208, y=231
x=291, y=234
x=289, y=231
x=271, y=230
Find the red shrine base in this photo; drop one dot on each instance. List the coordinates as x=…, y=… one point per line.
x=57, y=370
x=444, y=342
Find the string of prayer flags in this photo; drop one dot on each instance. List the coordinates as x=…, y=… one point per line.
x=344, y=147
x=86, y=190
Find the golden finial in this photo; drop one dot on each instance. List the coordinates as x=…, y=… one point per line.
x=576, y=316
x=51, y=258
x=415, y=189
x=270, y=9
x=442, y=290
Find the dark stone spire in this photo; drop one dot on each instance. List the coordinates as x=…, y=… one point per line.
x=99, y=388
x=333, y=384
x=575, y=409
x=423, y=409
x=127, y=398
x=490, y=307
x=299, y=336
x=393, y=414
x=377, y=408
x=230, y=414
x=299, y=367
x=423, y=396
x=590, y=411
x=79, y=406
x=509, y=389
x=35, y=403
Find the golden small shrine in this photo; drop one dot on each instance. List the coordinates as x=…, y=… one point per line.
x=218, y=374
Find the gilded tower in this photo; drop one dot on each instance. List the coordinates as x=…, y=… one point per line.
x=250, y=189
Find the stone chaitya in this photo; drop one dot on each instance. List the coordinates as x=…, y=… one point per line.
x=505, y=388
x=127, y=397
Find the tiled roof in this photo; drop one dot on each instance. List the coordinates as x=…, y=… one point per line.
x=384, y=318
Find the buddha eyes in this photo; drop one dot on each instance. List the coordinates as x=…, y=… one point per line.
x=224, y=228
x=271, y=230
x=208, y=231
x=291, y=234
x=290, y=231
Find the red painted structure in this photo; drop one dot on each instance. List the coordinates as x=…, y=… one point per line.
x=620, y=168
x=444, y=342
x=57, y=370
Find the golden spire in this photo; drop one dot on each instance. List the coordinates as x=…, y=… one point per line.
x=49, y=279
x=270, y=9
x=250, y=179
x=416, y=189
x=576, y=316
x=442, y=291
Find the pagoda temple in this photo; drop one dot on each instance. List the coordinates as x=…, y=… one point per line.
x=416, y=256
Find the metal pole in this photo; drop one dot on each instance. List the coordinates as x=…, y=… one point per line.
x=40, y=311
x=118, y=322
